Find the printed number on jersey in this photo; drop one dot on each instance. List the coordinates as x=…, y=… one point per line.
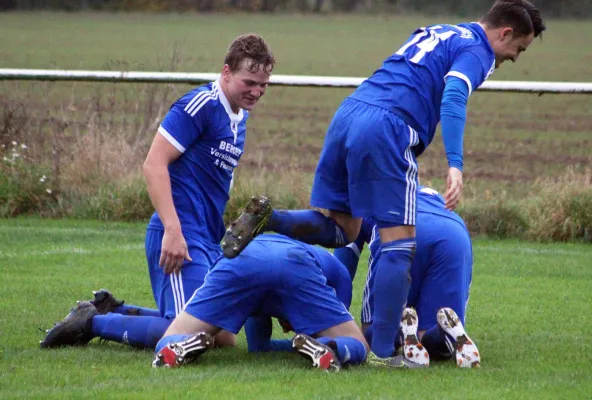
x=424, y=42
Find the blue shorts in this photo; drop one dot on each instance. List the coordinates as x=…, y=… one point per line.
x=367, y=167
x=440, y=274
x=273, y=268
x=172, y=291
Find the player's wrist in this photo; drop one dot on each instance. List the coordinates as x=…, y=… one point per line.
x=455, y=166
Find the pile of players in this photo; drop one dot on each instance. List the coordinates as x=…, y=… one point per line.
x=209, y=282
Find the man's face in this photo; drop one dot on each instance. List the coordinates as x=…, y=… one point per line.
x=506, y=46
x=245, y=88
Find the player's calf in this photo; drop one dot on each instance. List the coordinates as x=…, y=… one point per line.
x=249, y=224
x=466, y=352
x=413, y=350
x=176, y=354
x=322, y=356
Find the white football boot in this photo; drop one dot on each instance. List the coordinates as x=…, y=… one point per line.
x=466, y=352
x=413, y=350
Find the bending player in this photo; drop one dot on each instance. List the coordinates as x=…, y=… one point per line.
x=259, y=327
x=278, y=270
x=440, y=279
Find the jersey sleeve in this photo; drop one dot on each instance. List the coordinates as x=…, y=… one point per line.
x=472, y=65
x=182, y=126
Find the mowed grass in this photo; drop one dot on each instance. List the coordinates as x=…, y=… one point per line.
x=511, y=139
x=529, y=313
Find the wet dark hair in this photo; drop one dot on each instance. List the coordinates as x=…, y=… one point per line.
x=520, y=15
x=254, y=49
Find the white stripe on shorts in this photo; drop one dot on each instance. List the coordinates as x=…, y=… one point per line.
x=411, y=179
x=176, y=287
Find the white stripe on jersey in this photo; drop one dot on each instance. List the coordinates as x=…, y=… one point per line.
x=171, y=139
x=200, y=100
x=462, y=76
x=197, y=97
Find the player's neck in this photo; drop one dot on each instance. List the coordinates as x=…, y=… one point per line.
x=224, y=87
x=488, y=32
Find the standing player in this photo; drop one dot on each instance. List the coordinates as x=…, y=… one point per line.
x=368, y=164
x=274, y=268
x=188, y=171
x=440, y=279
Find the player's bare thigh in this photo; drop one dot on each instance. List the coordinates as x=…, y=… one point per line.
x=348, y=329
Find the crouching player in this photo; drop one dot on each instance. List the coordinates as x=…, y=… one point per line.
x=259, y=327
x=440, y=280
x=274, y=269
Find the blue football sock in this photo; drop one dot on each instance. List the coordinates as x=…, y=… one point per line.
x=142, y=332
x=391, y=288
x=258, y=333
x=170, y=339
x=128, y=309
x=349, y=350
x=308, y=226
x=280, y=345
x=368, y=334
x=434, y=341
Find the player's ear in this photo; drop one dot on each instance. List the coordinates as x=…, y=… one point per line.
x=226, y=73
x=506, y=33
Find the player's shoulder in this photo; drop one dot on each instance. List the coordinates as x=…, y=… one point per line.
x=472, y=36
x=201, y=98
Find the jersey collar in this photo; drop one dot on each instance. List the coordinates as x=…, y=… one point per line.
x=233, y=116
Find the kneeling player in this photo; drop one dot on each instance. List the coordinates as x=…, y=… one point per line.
x=440, y=280
x=274, y=269
x=259, y=327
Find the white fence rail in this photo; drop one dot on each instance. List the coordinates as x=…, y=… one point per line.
x=279, y=80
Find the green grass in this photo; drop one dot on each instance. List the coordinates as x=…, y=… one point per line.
x=529, y=313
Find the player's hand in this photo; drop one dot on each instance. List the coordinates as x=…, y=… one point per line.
x=454, y=187
x=173, y=251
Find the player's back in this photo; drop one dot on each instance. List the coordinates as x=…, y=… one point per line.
x=411, y=82
x=210, y=136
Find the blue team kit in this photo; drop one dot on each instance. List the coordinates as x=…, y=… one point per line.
x=211, y=137
x=371, y=146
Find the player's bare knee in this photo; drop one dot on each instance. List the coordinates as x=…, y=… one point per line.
x=225, y=339
x=350, y=225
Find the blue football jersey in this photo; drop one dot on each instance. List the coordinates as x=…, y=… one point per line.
x=211, y=138
x=411, y=82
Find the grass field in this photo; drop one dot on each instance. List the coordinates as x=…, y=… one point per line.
x=530, y=303
x=529, y=313
x=511, y=139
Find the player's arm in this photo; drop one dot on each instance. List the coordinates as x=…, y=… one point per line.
x=174, y=248
x=452, y=118
x=177, y=132
x=467, y=73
